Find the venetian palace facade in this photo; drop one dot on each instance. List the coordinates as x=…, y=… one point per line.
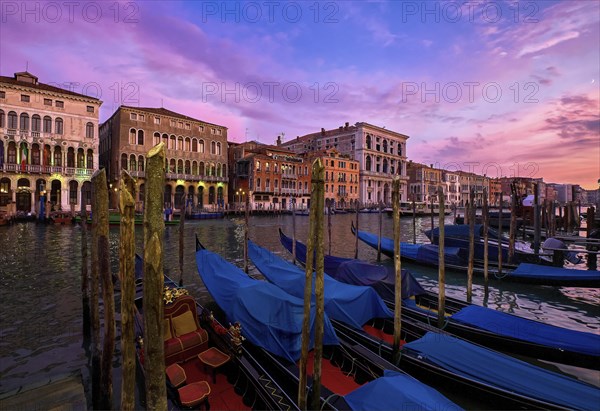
x=381, y=154
x=196, y=155
x=48, y=145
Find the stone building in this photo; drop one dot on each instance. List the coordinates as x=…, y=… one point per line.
x=380, y=153
x=196, y=155
x=48, y=145
x=423, y=182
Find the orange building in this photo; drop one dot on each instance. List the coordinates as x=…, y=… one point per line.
x=341, y=178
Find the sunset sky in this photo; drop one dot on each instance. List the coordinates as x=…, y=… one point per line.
x=501, y=88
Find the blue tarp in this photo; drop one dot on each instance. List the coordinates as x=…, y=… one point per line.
x=269, y=317
x=422, y=253
x=529, y=330
x=526, y=270
x=351, y=304
x=397, y=391
x=490, y=367
x=357, y=272
x=462, y=231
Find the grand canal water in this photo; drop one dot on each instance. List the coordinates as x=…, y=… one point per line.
x=40, y=266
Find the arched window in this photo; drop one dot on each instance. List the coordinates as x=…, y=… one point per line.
x=188, y=167
x=80, y=158
x=218, y=170
x=58, y=126
x=173, y=142
x=12, y=153
x=385, y=165
x=140, y=137
x=180, y=143
x=213, y=147
x=165, y=140
x=213, y=169
x=201, y=146
x=90, y=159
x=73, y=190
x=12, y=119
x=385, y=146
x=141, y=162
x=172, y=166
x=57, y=156
x=368, y=163
x=368, y=141
x=70, y=157
x=194, y=168
x=399, y=149
x=47, y=124
x=123, y=161
x=36, y=123
x=219, y=148
x=188, y=144
x=35, y=155
x=89, y=130
x=132, y=163
x=156, y=139
x=2, y=119
x=224, y=170
x=201, y=169
x=132, y=134
x=194, y=145
x=180, y=167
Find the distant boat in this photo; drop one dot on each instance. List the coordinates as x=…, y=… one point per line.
x=61, y=217
x=201, y=215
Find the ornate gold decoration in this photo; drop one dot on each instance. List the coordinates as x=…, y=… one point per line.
x=171, y=294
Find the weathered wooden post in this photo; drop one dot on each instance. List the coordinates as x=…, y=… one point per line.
x=486, y=225
x=512, y=233
x=356, y=236
x=441, y=262
x=154, y=227
x=315, y=241
x=127, y=197
x=397, y=270
x=592, y=259
x=431, y=212
x=85, y=281
x=414, y=219
x=246, y=218
x=108, y=347
x=181, y=242
x=329, y=210
x=294, y=232
x=380, y=231
x=94, y=296
x=500, y=211
x=536, y=220
x=471, y=244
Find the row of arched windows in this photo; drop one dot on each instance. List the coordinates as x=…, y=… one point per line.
x=46, y=155
x=137, y=163
x=373, y=143
x=194, y=145
x=36, y=123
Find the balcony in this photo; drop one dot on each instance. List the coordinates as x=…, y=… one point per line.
x=42, y=169
x=289, y=175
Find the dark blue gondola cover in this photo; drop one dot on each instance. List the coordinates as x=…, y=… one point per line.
x=397, y=391
x=536, y=271
x=476, y=362
x=270, y=318
x=351, y=304
x=462, y=231
x=529, y=330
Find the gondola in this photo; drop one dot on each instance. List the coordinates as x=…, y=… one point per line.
x=271, y=321
x=494, y=329
x=433, y=355
x=523, y=273
x=241, y=383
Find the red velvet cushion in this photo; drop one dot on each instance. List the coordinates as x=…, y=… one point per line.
x=213, y=357
x=194, y=338
x=176, y=375
x=173, y=346
x=194, y=393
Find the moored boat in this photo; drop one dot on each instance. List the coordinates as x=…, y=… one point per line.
x=494, y=329
x=430, y=352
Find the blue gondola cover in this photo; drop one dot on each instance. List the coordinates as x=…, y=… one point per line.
x=270, y=318
x=353, y=305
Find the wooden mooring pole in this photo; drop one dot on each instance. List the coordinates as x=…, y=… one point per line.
x=154, y=227
x=329, y=210
x=315, y=242
x=431, y=212
x=512, y=233
x=414, y=219
x=397, y=270
x=181, y=242
x=592, y=259
x=486, y=225
x=536, y=220
x=380, y=231
x=441, y=262
x=94, y=300
x=294, y=232
x=246, y=218
x=108, y=346
x=471, y=244
x=356, y=236
x=500, y=234
x=127, y=197
x=85, y=278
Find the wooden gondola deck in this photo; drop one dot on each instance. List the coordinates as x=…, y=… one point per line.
x=61, y=393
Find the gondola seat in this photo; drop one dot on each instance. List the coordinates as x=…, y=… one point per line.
x=184, y=338
x=191, y=395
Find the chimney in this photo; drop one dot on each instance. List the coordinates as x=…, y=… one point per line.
x=278, y=140
x=346, y=126
x=431, y=165
x=322, y=131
